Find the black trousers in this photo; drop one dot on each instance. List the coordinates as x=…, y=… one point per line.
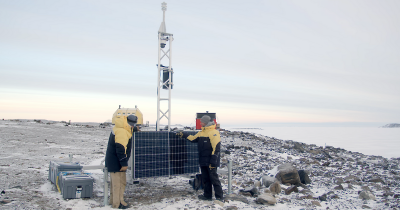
x=210, y=178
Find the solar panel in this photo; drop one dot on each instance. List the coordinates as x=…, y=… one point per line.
x=162, y=153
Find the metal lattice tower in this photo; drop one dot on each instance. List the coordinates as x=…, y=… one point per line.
x=164, y=51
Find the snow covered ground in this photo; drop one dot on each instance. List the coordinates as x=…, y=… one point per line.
x=337, y=175
x=372, y=140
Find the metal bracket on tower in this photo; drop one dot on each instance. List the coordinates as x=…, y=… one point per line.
x=164, y=72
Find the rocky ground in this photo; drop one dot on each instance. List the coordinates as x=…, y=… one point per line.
x=268, y=173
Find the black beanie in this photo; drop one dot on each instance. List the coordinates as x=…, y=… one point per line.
x=205, y=119
x=132, y=120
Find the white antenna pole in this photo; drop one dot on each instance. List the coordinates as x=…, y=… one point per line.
x=165, y=70
x=163, y=8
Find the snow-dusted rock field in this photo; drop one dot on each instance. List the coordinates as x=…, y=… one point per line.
x=332, y=178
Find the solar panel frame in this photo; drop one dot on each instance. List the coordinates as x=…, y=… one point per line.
x=162, y=153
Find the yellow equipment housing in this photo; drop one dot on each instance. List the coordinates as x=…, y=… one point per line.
x=127, y=112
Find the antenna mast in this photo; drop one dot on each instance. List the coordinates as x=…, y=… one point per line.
x=165, y=71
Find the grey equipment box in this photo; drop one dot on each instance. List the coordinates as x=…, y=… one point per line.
x=77, y=186
x=69, y=173
x=56, y=167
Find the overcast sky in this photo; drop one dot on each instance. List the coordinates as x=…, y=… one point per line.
x=251, y=62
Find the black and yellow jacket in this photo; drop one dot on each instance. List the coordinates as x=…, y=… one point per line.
x=119, y=145
x=209, y=144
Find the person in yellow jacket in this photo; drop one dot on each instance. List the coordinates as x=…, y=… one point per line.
x=208, y=144
x=117, y=156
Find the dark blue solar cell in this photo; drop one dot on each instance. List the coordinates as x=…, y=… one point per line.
x=162, y=153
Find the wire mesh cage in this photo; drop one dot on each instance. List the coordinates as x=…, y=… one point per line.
x=162, y=153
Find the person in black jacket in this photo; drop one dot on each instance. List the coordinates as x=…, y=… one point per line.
x=117, y=156
x=209, y=143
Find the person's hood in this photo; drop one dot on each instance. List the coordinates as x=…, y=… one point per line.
x=209, y=126
x=121, y=122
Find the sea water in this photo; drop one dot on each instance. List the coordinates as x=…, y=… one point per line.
x=377, y=141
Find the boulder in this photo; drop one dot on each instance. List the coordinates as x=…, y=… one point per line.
x=326, y=164
x=315, y=203
x=234, y=197
x=334, y=196
x=288, y=174
x=297, y=146
x=307, y=197
x=339, y=187
x=339, y=180
x=267, y=180
x=377, y=180
x=322, y=197
x=275, y=188
x=266, y=199
x=304, y=177
x=291, y=189
x=252, y=190
x=305, y=191
x=351, y=177
x=366, y=195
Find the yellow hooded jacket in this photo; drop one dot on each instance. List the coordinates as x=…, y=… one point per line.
x=208, y=144
x=119, y=145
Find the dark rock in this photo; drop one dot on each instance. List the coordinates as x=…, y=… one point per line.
x=5, y=201
x=326, y=164
x=351, y=177
x=275, y=188
x=305, y=191
x=315, y=203
x=334, y=196
x=245, y=193
x=252, y=190
x=288, y=174
x=386, y=194
x=307, y=197
x=326, y=154
x=365, y=207
x=266, y=199
x=339, y=187
x=377, y=180
x=234, y=197
x=291, y=189
x=298, y=147
x=339, y=180
x=322, y=197
x=396, y=196
x=231, y=208
x=304, y=177
x=366, y=195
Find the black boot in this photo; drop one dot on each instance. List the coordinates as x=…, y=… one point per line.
x=221, y=199
x=201, y=197
x=123, y=207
